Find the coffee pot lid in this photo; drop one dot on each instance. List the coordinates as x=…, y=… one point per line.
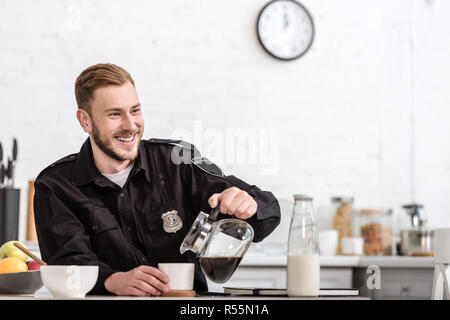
x=197, y=235
x=200, y=230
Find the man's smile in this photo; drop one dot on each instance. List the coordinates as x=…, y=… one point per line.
x=127, y=140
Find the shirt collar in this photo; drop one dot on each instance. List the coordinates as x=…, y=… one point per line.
x=85, y=171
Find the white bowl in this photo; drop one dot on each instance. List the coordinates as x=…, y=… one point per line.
x=69, y=281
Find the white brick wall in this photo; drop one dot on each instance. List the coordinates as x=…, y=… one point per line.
x=364, y=113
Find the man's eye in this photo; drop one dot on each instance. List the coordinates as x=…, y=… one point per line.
x=136, y=110
x=114, y=114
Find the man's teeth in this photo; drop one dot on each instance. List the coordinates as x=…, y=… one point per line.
x=125, y=139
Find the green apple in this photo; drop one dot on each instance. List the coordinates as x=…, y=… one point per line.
x=8, y=249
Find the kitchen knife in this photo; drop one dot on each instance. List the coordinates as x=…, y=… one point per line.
x=2, y=168
x=2, y=174
x=13, y=163
x=8, y=172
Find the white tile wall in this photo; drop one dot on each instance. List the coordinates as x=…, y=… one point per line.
x=364, y=113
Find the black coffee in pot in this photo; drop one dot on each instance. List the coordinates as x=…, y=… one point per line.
x=219, y=269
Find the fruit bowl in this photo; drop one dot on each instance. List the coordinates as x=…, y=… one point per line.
x=27, y=282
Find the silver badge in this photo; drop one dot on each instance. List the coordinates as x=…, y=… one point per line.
x=171, y=221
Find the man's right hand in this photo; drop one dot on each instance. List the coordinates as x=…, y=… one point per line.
x=140, y=281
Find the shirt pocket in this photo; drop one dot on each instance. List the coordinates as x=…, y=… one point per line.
x=102, y=220
x=107, y=239
x=164, y=231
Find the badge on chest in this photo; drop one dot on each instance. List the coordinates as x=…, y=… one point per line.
x=171, y=221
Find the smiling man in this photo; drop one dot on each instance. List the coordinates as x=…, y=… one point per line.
x=126, y=204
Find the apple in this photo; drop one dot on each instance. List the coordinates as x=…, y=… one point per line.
x=12, y=264
x=33, y=265
x=9, y=250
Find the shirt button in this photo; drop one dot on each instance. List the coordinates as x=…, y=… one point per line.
x=143, y=259
x=122, y=195
x=94, y=227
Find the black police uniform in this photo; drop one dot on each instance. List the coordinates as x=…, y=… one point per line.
x=83, y=218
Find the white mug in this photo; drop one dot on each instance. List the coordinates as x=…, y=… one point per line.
x=181, y=275
x=328, y=241
x=353, y=246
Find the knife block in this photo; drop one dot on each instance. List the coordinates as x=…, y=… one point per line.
x=9, y=214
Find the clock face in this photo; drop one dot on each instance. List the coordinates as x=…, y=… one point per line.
x=285, y=29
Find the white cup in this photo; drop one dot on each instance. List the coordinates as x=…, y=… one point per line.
x=328, y=241
x=352, y=246
x=181, y=275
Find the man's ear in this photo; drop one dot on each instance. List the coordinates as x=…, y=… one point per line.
x=85, y=120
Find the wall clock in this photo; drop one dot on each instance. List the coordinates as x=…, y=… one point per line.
x=285, y=29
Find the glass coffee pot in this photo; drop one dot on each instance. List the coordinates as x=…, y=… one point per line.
x=219, y=244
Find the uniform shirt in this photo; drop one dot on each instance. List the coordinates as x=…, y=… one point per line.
x=83, y=218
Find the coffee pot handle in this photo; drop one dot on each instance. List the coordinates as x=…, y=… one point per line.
x=213, y=215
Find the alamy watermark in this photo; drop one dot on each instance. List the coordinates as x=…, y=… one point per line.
x=374, y=280
x=73, y=281
x=259, y=147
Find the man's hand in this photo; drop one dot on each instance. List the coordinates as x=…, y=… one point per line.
x=234, y=201
x=141, y=281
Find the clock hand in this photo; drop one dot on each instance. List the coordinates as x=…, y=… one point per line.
x=286, y=21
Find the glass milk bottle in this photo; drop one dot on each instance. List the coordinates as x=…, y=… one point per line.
x=303, y=265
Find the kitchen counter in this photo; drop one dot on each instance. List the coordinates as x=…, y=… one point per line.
x=44, y=294
x=265, y=266
x=238, y=298
x=400, y=277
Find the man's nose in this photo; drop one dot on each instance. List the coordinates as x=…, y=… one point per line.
x=128, y=123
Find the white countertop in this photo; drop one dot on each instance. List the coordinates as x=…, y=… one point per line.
x=237, y=297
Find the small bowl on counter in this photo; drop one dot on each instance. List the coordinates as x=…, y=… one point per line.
x=71, y=281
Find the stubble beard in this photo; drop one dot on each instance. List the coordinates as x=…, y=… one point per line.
x=105, y=144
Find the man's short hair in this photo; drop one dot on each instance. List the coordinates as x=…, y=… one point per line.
x=98, y=76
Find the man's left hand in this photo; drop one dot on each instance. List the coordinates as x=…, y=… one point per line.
x=234, y=201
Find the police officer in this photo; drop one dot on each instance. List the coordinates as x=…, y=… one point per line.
x=126, y=204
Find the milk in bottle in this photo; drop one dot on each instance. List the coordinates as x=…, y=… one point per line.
x=303, y=264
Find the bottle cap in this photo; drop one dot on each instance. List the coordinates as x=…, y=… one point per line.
x=302, y=197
